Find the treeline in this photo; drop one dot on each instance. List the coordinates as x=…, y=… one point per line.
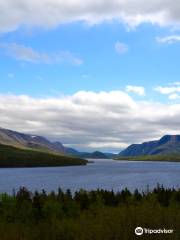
x=163, y=158
x=17, y=157
x=93, y=215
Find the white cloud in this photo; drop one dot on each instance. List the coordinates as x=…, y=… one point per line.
x=51, y=13
x=173, y=91
x=168, y=39
x=167, y=90
x=174, y=96
x=175, y=83
x=136, y=89
x=28, y=54
x=89, y=120
x=121, y=48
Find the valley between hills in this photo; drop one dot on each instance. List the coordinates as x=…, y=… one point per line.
x=25, y=150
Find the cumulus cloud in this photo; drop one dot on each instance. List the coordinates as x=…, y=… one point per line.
x=174, y=96
x=51, y=13
x=28, y=54
x=139, y=90
x=167, y=90
x=172, y=90
x=168, y=39
x=89, y=120
x=121, y=48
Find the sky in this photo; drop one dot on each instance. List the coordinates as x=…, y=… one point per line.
x=95, y=75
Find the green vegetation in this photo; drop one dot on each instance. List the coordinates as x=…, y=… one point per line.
x=165, y=158
x=16, y=157
x=94, y=215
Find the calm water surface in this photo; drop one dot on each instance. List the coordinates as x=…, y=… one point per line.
x=106, y=174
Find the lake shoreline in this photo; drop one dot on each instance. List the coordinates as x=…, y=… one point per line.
x=152, y=158
x=103, y=174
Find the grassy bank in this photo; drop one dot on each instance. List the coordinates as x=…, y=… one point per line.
x=95, y=215
x=16, y=157
x=165, y=158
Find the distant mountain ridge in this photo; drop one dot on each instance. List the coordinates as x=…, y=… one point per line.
x=93, y=155
x=22, y=140
x=18, y=139
x=168, y=144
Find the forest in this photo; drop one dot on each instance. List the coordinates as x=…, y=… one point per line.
x=17, y=157
x=88, y=215
x=159, y=158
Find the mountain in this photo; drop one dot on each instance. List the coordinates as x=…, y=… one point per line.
x=35, y=142
x=168, y=144
x=13, y=138
x=94, y=155
x=111, y=155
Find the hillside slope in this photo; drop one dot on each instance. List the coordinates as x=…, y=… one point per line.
x=17, y=139
x=35, y=142
x=93, y=155
x=16, y=157
x=167, y=145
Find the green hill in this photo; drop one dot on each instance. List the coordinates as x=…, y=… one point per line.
x=16, y=157
x=93, y=155
x=164, y=158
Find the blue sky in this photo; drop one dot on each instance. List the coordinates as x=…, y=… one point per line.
x=94, y=76
x=146, y=62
